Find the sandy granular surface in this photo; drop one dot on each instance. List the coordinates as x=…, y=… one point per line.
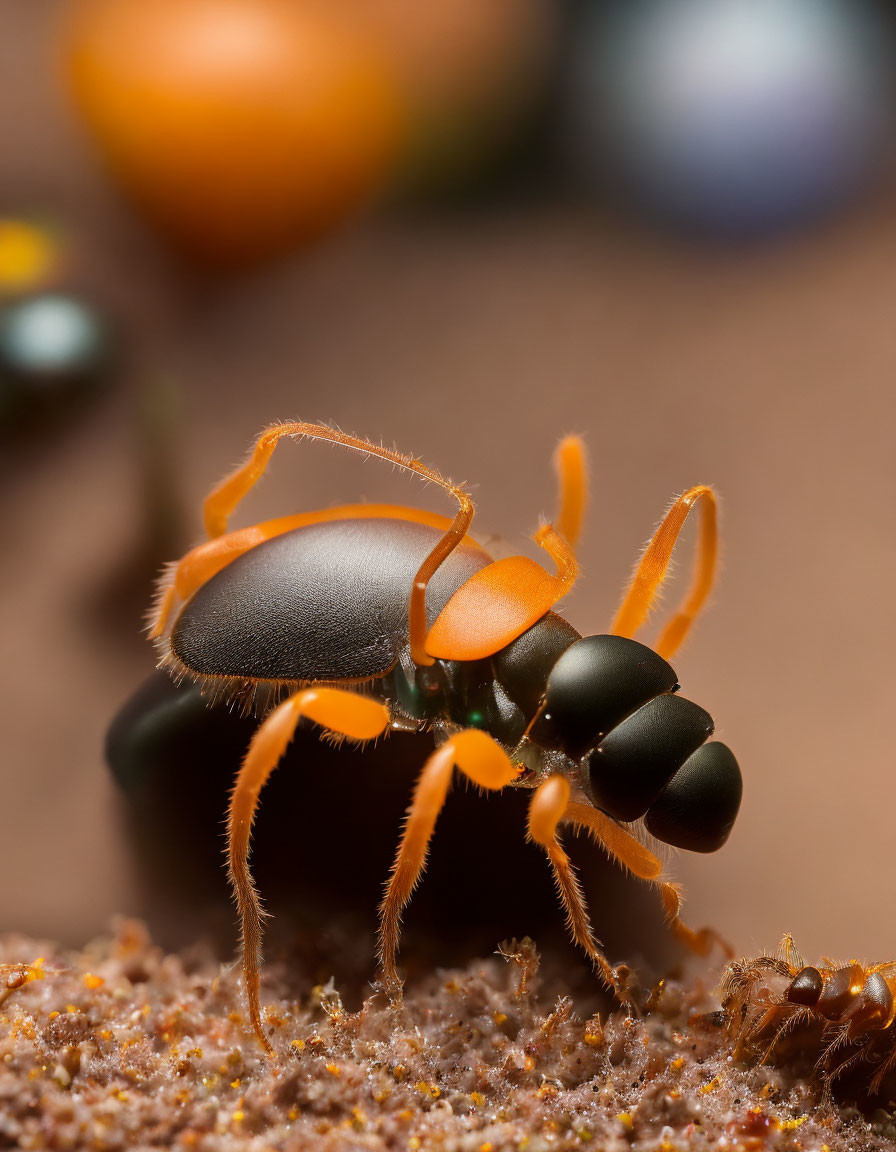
x=121, y=1046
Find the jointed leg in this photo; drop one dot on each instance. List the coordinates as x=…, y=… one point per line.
x=651, y=572
x=571, y=464
x=631, y=854
x=701, y=941
x=548, y=807
x=499, y=602
x=347, y=713
x=559, y=550
x=485, y=763
x=844, y=1066
x=841, y=1040
x=790, y=1024
x=620, y=845
x=885, y=1067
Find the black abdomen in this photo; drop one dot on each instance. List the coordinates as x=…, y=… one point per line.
x=610, y=703
x=325, y=602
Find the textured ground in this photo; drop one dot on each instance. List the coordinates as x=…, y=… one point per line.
x=123, y=1047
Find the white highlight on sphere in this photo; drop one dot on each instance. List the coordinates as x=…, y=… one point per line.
x=733, y=112
x=50, y=335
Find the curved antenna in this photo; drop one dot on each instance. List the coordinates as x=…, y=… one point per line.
x=223, y=499
x=654, y=564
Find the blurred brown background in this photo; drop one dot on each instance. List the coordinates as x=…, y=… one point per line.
x=475, y=339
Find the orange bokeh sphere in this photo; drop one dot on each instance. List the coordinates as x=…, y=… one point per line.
x=241, y=127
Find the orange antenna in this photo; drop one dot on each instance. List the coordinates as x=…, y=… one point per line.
x=654, y=564
x=223, y=499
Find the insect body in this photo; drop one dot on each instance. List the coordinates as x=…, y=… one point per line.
x=370, y=618
x=842, y=1012
x=15, y=976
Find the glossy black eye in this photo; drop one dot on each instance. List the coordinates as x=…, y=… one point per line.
x=594, y=685
x=632, y=765
x=697, y=808
x=805, y=988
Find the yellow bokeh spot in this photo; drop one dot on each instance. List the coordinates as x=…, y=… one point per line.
x=28, y=255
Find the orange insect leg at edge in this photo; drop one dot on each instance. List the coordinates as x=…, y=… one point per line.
x=347, y=713
x=571, y=464
x=547, y=808
x=631, y=854
x=653, y=566
x=485, y=763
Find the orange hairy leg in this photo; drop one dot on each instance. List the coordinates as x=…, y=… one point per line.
x=571, y=464
x=206, y=560
x=481, y=760
x=223, y=499
x=547, y=808
x=700, y=941
x=334, y=709
x=651, y=572
x=499, y=602
x=631, y=854
x=618, y=843
x=878, y=1078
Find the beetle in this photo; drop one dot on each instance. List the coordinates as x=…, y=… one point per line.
x=368, y=618
x=842, y=1013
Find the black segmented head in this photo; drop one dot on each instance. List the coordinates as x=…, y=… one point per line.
x=850, y=993
x=805, y=987
x=636, y=760
x=697, y=808
x=593, y=686
x=610, y=703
